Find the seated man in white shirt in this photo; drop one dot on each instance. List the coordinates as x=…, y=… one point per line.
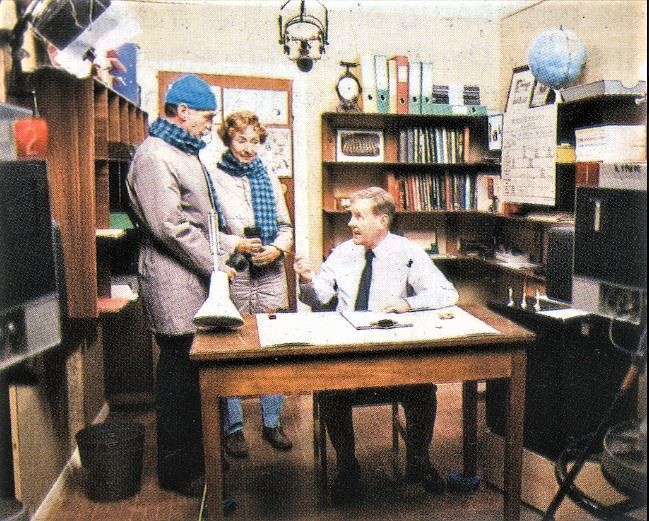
x=378, y=271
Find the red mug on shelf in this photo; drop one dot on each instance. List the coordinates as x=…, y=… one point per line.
x=31, y=138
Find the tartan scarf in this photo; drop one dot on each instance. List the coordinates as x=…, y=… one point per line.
x=263, y=197
x=176, y=136
x=183, y=140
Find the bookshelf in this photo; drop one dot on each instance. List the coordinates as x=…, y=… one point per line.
x=421, y=180
x=92, y=133
x=419, y=153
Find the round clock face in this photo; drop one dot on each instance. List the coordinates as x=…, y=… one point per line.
x=348, y=88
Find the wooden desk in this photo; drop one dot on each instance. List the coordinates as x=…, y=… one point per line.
x=233, y=364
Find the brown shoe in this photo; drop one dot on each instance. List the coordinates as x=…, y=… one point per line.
x=276, y=437
x=235, y=445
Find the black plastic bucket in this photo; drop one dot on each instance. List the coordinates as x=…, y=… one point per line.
x=111, y=456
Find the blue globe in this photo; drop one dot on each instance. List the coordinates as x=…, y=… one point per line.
x=556, y=57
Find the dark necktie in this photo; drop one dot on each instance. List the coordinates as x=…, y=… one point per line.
x=364, y=286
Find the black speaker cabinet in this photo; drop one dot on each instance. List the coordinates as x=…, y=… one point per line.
x=573, y=373
x=558, y=269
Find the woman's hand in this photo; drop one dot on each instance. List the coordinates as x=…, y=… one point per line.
x=249, y=246
x=267, y=255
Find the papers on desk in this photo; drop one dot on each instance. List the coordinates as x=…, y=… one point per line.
x=372, y=320
x=333, y=329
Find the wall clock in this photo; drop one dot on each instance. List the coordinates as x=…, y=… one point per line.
x=348, y=89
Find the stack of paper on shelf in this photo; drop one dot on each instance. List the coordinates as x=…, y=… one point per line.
x=471, y=95
x=601, y=88
x=440, y=94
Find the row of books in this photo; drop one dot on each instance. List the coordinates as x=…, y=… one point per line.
x=428, y=191
x=399, y=86
x=433, y=145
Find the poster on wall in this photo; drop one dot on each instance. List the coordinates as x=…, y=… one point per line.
x=529, y=156
x=529, y=142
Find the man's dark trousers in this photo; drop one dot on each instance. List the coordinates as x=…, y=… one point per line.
x=419, y=404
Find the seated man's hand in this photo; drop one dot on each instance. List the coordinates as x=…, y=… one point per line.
x=396, y=306
x=267, y=255
x=303, y=268
x=231, y=272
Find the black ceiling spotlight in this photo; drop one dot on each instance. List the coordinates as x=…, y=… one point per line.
x=302, y=34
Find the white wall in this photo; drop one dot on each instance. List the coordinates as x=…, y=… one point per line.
x=241, y=38
x=613, y=31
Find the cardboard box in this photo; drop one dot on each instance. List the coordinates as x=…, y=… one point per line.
x=587, y=173
x=611, y=143
x=565, y=154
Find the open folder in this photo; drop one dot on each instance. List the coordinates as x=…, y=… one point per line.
x=373, y=320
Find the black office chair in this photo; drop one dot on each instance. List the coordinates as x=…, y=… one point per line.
x=364, y=398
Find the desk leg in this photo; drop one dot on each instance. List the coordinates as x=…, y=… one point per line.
x=470, y=427
x=513, y=457
x=211, y=414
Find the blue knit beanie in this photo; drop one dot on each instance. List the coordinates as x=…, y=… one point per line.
x=193, y=92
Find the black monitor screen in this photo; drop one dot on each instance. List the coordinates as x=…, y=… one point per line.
x=611, y=236
x=26, y=253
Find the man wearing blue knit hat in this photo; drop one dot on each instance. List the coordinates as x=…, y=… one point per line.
x=169, y=189
x=193, y=92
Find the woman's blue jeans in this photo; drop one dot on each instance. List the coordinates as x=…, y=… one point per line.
x=271, y=410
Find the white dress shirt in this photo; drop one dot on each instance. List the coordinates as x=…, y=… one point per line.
x=401, y=269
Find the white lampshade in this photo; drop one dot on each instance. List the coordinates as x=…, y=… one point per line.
x=218, y=310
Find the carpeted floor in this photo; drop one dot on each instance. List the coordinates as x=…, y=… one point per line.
x=272, y=485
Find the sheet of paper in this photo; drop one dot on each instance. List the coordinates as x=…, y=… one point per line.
x=271, y=106
x=563, y=314
x=123, y=291
x=529, y=156
x=276, y=152
x=332, y=329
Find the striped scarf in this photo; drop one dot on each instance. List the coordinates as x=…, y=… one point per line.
x=263, y=197
x=176, y=136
